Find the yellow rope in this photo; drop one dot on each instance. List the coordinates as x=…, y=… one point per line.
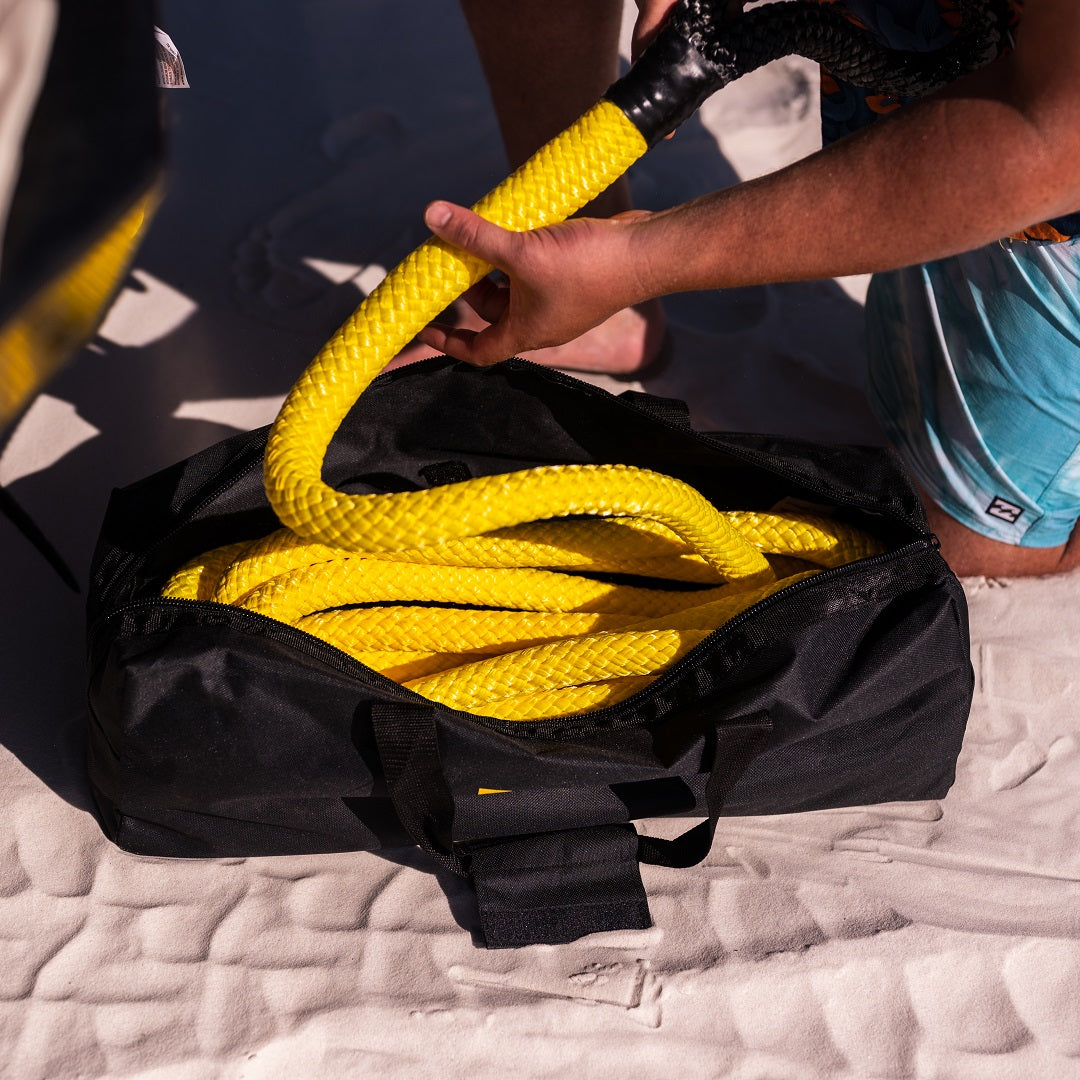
x=514, y=642
x=478, y=594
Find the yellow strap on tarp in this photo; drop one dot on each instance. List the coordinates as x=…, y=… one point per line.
x=43, y=333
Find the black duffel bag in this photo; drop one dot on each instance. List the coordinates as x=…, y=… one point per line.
x=218, y=732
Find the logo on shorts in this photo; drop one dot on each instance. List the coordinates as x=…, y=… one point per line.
x=1007, y=511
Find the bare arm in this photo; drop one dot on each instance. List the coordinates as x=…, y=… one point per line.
x=997, y=151
x=990, y=155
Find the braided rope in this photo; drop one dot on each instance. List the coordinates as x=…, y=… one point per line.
x=513, y=641
x=470, y=594
x=825, y=33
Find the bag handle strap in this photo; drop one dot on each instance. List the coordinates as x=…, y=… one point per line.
x=408, y=746
x=734, y=745
x=546, y=888
x=550, y=888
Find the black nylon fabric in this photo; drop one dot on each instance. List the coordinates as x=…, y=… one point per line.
x=734, y=746
x=409, y=749
x=215, y=731
x=559, y=886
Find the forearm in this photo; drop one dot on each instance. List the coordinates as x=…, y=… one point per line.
x=947, y=175
x=993, y=154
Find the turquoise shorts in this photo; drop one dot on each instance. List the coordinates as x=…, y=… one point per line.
x=975, y=376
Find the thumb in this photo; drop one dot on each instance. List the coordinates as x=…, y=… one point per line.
x=464, y=229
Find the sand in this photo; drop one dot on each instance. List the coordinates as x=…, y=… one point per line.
x=929, y=940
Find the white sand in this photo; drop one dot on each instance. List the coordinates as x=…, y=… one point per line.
x=930, y=940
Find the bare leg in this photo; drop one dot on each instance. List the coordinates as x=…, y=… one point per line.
x=970, y=554
x=546, y=62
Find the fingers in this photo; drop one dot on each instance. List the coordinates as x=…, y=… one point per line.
x=467, y=339
x=464, y=229
x=652, y=14
x=450, y=340
x=474, y=347
x=488, y=300
x=487, y=345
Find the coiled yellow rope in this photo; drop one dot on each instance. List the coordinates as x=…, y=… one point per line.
x=513, y=626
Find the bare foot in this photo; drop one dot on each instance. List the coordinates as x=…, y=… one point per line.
x=624, y=346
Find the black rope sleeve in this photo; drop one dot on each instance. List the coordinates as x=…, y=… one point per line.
x=702, y=49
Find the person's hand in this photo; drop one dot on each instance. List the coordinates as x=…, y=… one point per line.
x=561, y=281
x=652, y=14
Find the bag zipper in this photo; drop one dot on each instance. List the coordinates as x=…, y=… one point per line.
x=599, y=715
x=347, y=665
x=133, y=557
x=341, y=661
x=261, y=625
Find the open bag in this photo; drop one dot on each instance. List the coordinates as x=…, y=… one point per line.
x=216, y=731
x=234, y=719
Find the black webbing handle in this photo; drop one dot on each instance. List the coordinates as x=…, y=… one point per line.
x=735, y=745
x=408, y=747
x=547, y=888
x=555, y=887
x=552, y=887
